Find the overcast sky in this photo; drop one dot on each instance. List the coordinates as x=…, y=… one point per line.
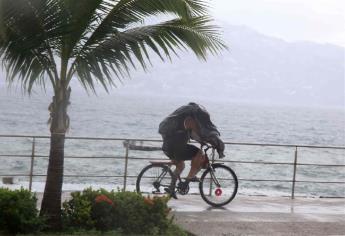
x=312, y=20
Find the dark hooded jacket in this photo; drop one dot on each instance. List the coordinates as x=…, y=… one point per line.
x=208, y=133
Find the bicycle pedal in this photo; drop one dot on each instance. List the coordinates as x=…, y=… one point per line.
x=171, y=193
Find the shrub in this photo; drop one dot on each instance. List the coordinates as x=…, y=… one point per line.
x=103, y=213
x=18, y=212
x=136, y=214
x=76, y=213
x=129, y=212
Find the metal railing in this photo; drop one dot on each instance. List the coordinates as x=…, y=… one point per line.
x=126, y=158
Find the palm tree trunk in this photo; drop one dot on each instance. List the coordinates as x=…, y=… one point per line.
x=51, y=202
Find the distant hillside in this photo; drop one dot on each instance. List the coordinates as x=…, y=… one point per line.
x=257, y=68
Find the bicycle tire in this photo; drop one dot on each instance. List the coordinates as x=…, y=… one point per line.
x=229, y=194
x=148, y=189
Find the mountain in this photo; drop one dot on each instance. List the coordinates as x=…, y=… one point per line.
x=256, y=68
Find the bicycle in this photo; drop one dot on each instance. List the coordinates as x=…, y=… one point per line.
x=218, y=183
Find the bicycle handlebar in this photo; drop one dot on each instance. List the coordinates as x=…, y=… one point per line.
x=206, y=147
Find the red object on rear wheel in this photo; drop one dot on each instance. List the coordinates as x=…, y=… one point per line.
x=218, y=192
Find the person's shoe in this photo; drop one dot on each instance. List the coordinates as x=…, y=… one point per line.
x=171, y=193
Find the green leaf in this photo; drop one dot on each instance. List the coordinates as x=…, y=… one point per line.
x=98, y=40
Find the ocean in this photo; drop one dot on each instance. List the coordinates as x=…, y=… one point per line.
x=124, y=116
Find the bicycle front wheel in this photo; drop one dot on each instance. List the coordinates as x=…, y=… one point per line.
x=153, y=179
x=218, y=185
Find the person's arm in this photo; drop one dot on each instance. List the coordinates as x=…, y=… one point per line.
x=192, y=126
x=212, y=138
x=215, y=141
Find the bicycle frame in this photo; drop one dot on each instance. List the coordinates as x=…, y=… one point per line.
x=209, y=165
x=162, y=175
x=212, y=174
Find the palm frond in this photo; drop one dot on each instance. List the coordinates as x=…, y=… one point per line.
x=80, y=17
x=30, y=29
x=99, y=35
x=131, y=46
x=120, y=14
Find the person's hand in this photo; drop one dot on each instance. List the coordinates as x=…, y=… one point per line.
x=220, y=148
x=218, y=144
x=221, y=154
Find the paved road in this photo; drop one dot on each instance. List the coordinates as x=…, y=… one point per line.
x=261, y=216
x=252, y=215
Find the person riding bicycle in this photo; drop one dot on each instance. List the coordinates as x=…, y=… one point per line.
x=190, y=121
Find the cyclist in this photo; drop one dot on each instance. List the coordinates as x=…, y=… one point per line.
x=191, y=121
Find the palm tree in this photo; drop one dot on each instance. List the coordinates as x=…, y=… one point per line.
x=54, y=41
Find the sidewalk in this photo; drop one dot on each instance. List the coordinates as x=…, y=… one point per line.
x=261, y=216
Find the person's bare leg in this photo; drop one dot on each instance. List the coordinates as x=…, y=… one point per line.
x=179, y=167
x=196, y=164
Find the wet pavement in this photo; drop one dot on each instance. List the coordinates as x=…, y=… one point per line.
x=252, y=215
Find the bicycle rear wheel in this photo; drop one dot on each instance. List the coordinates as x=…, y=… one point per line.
x=153, y=179
x=218, y=187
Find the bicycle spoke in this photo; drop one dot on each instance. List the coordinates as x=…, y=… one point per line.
x=153, y=179
x=218, y=187
x=214, y=178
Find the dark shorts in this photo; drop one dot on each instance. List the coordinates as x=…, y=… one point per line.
x=176, y=148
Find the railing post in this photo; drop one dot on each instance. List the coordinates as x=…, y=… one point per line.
x=126, y=166
x=32, y=163
x=294, y=175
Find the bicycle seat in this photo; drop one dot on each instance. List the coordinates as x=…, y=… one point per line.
x=162, y=162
